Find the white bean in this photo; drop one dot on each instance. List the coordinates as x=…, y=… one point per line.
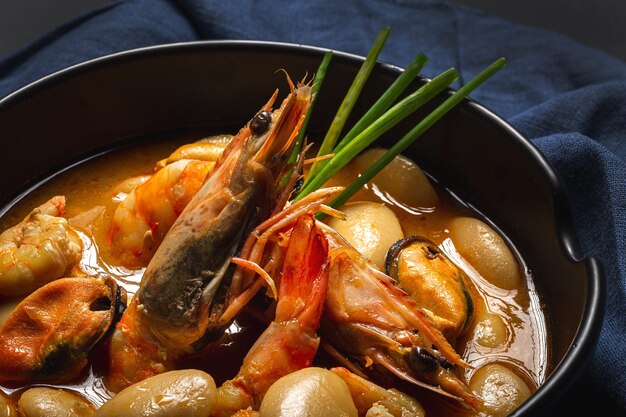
x=401, y=179
x=486, y=251
x=370, y=227
x=500, y=388
x=52, y=402
x=310, y=392
x=490, y=330
x=6, y=406
x=182, y=393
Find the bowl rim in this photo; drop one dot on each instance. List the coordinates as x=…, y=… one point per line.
x=583, y=345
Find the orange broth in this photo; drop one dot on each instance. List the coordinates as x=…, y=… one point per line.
x=92, y=183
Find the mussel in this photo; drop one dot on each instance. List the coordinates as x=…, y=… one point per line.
x=49, y=335
x=433, y=281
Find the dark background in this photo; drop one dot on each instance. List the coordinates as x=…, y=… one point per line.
x=596, y=23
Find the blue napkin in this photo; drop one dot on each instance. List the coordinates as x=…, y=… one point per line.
x=569, y=99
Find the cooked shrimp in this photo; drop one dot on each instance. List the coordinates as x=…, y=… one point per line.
x=179, y=305
x=290, y=342
x=40, y=249
x=367, y=317
x=143, y=218
x=151, y=203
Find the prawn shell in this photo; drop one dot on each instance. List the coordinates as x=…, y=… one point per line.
x=433, y=281
x=368, y=317
x=185, y=286
x=49, y=335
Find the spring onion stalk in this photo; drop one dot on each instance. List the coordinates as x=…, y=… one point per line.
x=417, y=131
x=388, y=120
x=317, y=84
x=385, y=101
x=351, y=96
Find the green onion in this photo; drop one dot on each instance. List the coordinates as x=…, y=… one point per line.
x=385, y=101
x=317, y=84
x=350, y=99
x=417, y=131
x=391, y=117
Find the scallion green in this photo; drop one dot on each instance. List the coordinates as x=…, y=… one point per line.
x=385, y=101
x=388, y=120
x=417, y=131
x=351, y=96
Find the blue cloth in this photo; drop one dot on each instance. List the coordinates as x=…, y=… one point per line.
x=569, y=99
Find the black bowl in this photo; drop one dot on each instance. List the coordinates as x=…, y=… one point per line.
x=94, y=106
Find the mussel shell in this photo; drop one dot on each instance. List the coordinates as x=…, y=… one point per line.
x=393, y=254
x=49, y=335
x=451, y=278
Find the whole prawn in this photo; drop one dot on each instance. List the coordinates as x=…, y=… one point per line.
x=182, y=295
x=368, y=317
x=290, y=342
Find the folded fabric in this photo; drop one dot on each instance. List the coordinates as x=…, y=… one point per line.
x=569, y=99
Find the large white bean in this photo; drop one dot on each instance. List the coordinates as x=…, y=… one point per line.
x=310, y=392
x=370, y=227
x=500, y=388
x=486, y=251
x=182, y=393
x=490, y=330
x=401, y=179
x=6, y=406
x=52, y=402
